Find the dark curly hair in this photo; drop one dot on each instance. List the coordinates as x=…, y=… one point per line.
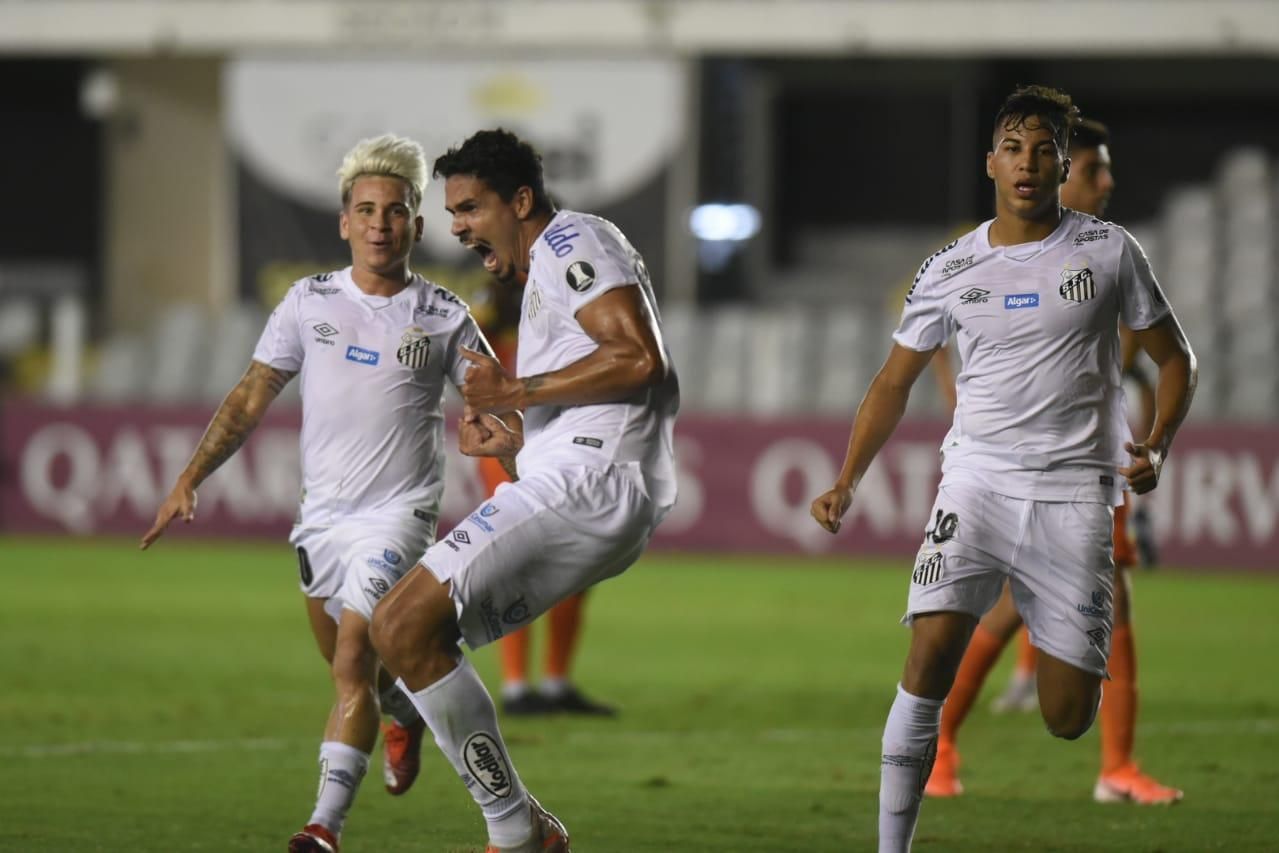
x=501, y=160
x=1050, y=107
x=1090, y=133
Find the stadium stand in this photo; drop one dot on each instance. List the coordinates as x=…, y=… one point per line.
x=814, y=341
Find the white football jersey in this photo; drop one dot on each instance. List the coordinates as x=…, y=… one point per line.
x=1041, y=412
x=372, y=375
x=577, y=258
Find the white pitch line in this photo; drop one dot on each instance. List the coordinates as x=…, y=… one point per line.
x=1201, y=728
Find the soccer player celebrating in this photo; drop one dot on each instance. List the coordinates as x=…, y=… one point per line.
x=1087, y=190
x=374, y=344
x=1037, y=455
x=596, y=468
x=498, y=314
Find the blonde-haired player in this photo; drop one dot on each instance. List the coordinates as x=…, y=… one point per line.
x=388, y=156
x=373, y=343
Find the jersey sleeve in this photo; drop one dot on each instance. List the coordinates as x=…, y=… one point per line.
x=925, y=324
x=598, y=261
x=1142, y=301
x=280, y=345
x=467, y=335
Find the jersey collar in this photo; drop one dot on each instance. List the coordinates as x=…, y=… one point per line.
x=1026, y=251
x=377, y=303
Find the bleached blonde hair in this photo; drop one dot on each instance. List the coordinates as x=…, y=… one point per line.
x=389, y=155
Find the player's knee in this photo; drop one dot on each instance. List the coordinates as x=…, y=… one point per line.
x=387, y=631
x=1070, y=718
x=408, y=640
x=935, y=652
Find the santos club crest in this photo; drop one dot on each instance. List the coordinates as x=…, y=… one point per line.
x=415, y=348
x=1077, y=285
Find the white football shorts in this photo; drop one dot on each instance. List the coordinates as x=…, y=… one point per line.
x=536, y=542
x=355, y=563
x=1058, y=557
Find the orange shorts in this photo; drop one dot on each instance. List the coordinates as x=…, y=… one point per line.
x=494, y=475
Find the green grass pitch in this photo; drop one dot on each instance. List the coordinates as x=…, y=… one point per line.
x=173, y=701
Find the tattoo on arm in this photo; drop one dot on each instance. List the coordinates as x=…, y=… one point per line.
x=508, y=465
x=532, y=384
x=235, y=419
x=276, y=380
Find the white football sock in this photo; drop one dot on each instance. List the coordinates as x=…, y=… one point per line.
x=514, y=689
x=460, y=714
x=553, y=688
x=341, y=769
x=909, y=747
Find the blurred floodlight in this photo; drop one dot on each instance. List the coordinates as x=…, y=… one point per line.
x=719, y=222
x=99, y=93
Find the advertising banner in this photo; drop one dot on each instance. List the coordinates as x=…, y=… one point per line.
x=607, y=131
x=745, y=486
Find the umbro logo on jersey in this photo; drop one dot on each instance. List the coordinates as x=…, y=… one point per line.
x=1021, y=300
x=325, y=329
x=974, y=296
x=415, y=348
x=928, y=570
x=462, y=536
x=1077, y=285
x=580, y=275
x=377, y=588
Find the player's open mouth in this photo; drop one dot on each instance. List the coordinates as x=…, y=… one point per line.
x=486, y=253
x=1025, y=189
